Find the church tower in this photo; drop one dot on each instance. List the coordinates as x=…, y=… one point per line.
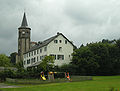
x=23, y=38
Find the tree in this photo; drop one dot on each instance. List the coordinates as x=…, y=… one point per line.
x=100, y=58
x=4, y=61
x=85, y=61
x=19, y=66
x=47, y=63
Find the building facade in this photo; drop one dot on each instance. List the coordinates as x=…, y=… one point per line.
x=58, y=46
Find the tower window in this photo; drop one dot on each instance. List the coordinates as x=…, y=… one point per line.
x=55, y=41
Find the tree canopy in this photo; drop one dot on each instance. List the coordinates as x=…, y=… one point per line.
x=47, y=63
x=4, y=61
x=100, y=58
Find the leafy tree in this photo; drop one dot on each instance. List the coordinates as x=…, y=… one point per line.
x=85, y=60
x=100, y=58
x=47, y=63
x=4, y=61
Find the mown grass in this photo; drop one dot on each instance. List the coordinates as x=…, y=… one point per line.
x=99, y=83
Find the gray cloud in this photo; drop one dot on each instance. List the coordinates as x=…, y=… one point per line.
x=81, y=21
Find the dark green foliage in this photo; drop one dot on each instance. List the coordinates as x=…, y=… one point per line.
x=47, y=63
x=4, y=61
x=102, y=58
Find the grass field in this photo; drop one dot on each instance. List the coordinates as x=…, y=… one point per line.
x=99, y=83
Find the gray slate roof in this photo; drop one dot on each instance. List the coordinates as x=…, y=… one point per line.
x=46, y=42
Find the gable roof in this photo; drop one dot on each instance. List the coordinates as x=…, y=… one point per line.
x=46, y=42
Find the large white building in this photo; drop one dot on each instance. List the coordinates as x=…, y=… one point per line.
x=32, y=53
x=58, y=46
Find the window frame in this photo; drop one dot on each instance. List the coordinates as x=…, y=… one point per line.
x=56, y=41
x=60, y=57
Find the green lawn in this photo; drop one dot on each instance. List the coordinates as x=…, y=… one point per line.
x=99, y=83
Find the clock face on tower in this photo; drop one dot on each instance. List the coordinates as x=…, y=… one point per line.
x=23, y=32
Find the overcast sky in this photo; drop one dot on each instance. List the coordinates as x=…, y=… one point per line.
x=81, y=21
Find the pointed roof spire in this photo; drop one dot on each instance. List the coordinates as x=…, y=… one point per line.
x=24, y=22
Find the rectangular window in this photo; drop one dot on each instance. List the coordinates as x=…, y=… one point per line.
x=40, y=57
x=65, y=41
x=55, y=41
x=24, y=62
x=37, y=58
x=31, y=60
x=28, y=61
x=37, y=51
x=40, y=50
x=34, y=59
x=45, y=48
x=53, y=55
x=60, y=48
x=60, y=57
x=34, y=52
x=69, y=56
x=29, y=54
x=24, y=55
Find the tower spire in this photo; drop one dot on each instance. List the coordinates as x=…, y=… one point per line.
x=24, y=21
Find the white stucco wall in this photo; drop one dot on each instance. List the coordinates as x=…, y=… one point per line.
x=67, y=49
x=53, y=48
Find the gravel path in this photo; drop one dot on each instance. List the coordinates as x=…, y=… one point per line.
x=2, y=85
